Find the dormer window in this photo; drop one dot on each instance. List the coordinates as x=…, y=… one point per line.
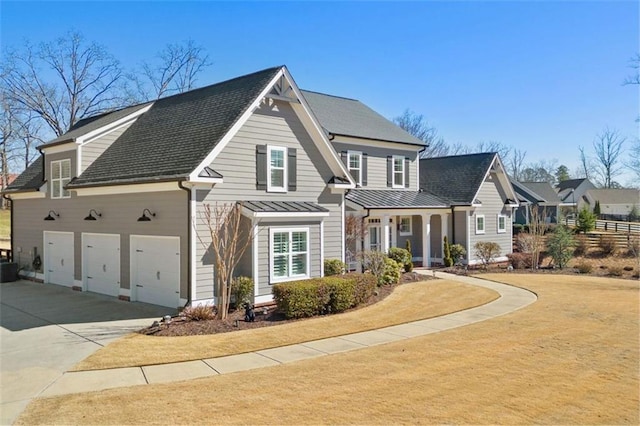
x=354, y=164
x=60, y=176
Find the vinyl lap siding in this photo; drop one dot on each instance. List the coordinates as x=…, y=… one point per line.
x=92, y=150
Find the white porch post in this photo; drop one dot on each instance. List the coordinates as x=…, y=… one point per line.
x=385, y=234
x=444, y=221
x=426, y=239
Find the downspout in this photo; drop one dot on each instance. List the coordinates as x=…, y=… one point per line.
x=10, y=257
x=189, y=254
x=453, y=225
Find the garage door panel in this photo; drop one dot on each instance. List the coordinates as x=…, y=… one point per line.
x=101, y=255
x=155, y=267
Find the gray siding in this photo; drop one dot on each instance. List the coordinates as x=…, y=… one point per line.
x=92, y=150
x=460, y=229
x=119, y=216
x=272, y=124
x=377, y=163
x=492, y=198
x=436, y=236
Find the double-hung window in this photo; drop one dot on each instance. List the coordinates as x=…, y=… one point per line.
x=354, y=164
x=502, y=224
x=405, y=225
x=398, y=171
x=480, y=224
x=60, y=176
x=277, y=175
x=289, y=255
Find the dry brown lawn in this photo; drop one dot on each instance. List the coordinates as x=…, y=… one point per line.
x=569, y=358
x=409, y=302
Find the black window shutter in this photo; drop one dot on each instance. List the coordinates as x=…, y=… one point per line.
x=364, y=169
x=261, y=167
x=292, y=168
x=389, y=171
x=406, y=172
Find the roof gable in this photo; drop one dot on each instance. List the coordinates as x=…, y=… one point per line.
x=177, y=133
x=350, y=117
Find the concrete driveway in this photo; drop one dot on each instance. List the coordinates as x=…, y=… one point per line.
x=46, y=329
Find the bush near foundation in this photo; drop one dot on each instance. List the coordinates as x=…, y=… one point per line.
x=334, y=267
x=319, y=296
x=520, y=260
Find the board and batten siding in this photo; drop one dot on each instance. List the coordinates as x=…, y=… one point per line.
x=492, y=197
x=92, y=150
x=377, y=163
x=273, y=123
x=120, y=213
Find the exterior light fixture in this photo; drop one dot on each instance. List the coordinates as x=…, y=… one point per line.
x=144, y=217
x=49, y=217
x=91, y=216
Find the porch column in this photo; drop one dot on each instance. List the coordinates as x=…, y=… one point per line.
x=385, y=234
x=444, y=221
x=426, y=239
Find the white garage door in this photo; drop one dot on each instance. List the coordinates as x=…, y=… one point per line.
x=58, y=258
x=101, y=263
x=155, y=270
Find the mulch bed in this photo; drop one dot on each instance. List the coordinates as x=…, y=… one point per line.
x=180, y=326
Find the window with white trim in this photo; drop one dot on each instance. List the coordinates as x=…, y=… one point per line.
x=480, y=224
x=502, y=224
x=277, y=162
x=354, y=165
x=405, y=225
x=289, y=253
x=60, y=176
x=398, y=171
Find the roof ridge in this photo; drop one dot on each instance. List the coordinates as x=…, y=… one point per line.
x=333, y=96
x=460, y=155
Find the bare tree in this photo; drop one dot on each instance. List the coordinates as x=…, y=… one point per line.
x=515, y=163
x=175, y=70
x=536, y=233
x=355, y=231
x=634, y=63
x=586, y=165
x=229, y=240
x=633, y=164
x=493, y=146
x=63, y=81
x=608, y=147
x=418, y=126
x=542, y=171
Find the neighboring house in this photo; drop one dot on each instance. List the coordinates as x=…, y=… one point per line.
x=570, y=192
x=115, y=205
x=539, y=195
x=479, y=202
x=615, y=204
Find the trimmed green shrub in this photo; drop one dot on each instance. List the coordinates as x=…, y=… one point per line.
x=447, y=260
x=334, y=267
x=408, y=267
x=457, y=253
x=364, y=286
x=586, y=221
x=391, y=274
x=242, y=289
x=400, y=255
x=560, y=246
x=341, y=294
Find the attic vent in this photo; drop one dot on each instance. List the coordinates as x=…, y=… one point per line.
x=208, y=172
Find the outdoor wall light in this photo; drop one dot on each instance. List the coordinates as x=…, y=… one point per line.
x=144, y=217
x=91, y=215
x=49, y=217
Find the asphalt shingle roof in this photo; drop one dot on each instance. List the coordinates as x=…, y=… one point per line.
x=543, y=189
x=171, y=139
x=89, y=124
x=284, y=207
x=350, y=117
x=569, y=183
x=379, y=199
x=29, y=180
x=615, y=196
x=455, y=178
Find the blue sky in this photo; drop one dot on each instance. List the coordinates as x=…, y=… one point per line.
x=544, y=77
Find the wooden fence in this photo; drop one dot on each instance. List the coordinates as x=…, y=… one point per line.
x=612, y=226
x=593, y=239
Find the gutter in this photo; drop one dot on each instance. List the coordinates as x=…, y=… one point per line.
x=189, y=254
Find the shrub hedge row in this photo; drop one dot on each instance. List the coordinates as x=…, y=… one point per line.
x=318, y=296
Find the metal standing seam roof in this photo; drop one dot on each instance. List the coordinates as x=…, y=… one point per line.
x=350, y=117
x=283, y=207
x=379, y=199
x=455, y=178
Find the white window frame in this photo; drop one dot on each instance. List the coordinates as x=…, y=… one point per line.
x=357, y=154
x=504, y=227
x=270, y=186
x=290, y=277
x=405, y=232
x=61, y=180
x=484, y=224
x=394, y=172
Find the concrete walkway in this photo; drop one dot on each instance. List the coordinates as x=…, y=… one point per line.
x=511, y=299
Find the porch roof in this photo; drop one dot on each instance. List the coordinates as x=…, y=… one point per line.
x=283, y=207
x=394, y=199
